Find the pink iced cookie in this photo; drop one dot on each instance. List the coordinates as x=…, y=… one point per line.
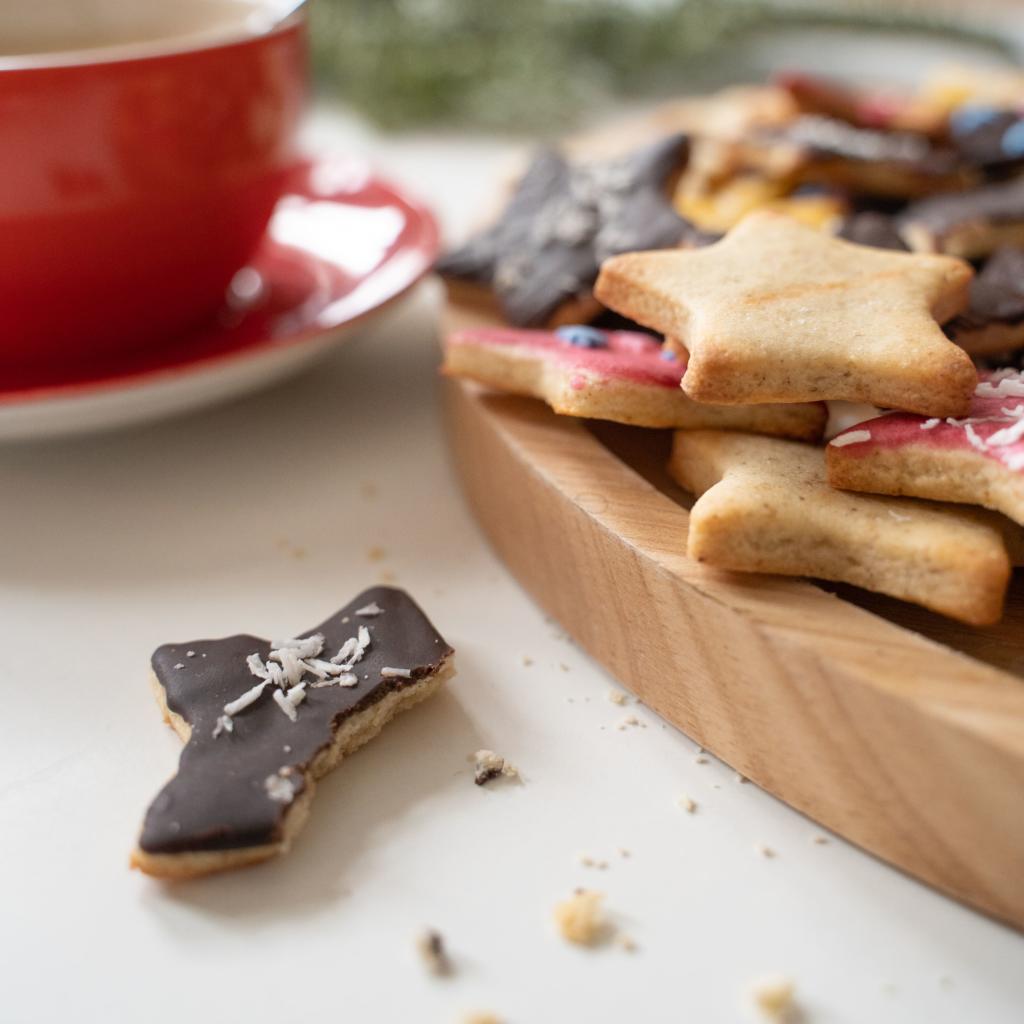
x=623, y=376
x=978, y=460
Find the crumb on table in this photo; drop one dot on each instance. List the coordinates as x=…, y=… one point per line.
x=481, y=1018
x=773, y=997
x=688, y=804
x=490, y=765
x=430, y=945
x=580, y=918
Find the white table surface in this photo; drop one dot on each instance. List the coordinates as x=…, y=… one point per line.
x=260, y=517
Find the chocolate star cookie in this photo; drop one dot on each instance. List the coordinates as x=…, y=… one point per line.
x=541, y=258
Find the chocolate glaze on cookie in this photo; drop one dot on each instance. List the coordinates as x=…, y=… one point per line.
x=829, y=137
x=1000, y=203
x=987, y=137
x=871, y=228
x=221, y=797
x=997, y=293
x=564, y=219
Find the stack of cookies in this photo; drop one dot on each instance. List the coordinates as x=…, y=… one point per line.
x=743, y=267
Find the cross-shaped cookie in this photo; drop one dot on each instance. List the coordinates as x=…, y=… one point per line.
x=263, y=721
x=764, y=505
x=778, y=312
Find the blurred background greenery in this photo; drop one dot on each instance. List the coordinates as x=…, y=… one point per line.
x=508, y=65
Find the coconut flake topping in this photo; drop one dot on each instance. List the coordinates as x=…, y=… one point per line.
x=288, y=664
x=1009, y=386
x=396, y=673
x=370, y=609
x=853, y=437
x=280, y=787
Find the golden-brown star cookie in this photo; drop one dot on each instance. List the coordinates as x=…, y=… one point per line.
x=764, y=505
x=778, y=312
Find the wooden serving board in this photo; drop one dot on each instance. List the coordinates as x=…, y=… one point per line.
x=898, y=729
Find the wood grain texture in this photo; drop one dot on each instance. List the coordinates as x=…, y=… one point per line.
x=888, y=735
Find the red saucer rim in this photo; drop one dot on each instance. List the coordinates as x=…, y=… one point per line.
x=426, y=243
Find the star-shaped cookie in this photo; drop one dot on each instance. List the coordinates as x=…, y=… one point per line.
x=978, y=460
x=263, y=721
x=764, y=505
x=622, y=376
x=563, y=219
x=778, y=312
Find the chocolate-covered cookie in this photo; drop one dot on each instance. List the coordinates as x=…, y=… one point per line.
x=993, y=323
x=263, y=721
x=563, y=219
x=872, y=228
x=816, y=148
x=987, y=137
x=970, y=224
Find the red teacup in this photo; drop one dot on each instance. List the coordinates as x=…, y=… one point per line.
x=137, y=177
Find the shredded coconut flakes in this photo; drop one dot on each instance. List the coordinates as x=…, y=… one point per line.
x=280, y=787
x=974, y=437
x=247, y=698
x=853, y=437
x=1008, y=435
x=370, y=609
x=282, y=701
x=1009, y=386
x=224, y=724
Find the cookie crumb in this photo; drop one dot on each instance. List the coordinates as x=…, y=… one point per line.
x=527, y=662
x=433, y=953
x=626, y=943
x=376, y=553
x=819, y=840
x=741, y=779
x=623, y=852
x=387, y=576
x=562, y=665
x=765, y=851
x=689, y=805
x=490, y=765
x=700, y=759
x=580, y=918
x=773, y=997
x=617, y=697
x=481, y=1018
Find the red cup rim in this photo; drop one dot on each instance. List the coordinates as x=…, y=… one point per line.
x=292, y=12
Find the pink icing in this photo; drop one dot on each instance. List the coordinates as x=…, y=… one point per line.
x=994, y=425
x=630, y=355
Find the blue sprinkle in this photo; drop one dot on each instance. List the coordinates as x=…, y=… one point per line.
x=582, y=336
x=1013, y=140
x=970, y=117
x=668, y=355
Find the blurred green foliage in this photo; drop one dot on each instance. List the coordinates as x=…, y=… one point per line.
x=519, y=64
